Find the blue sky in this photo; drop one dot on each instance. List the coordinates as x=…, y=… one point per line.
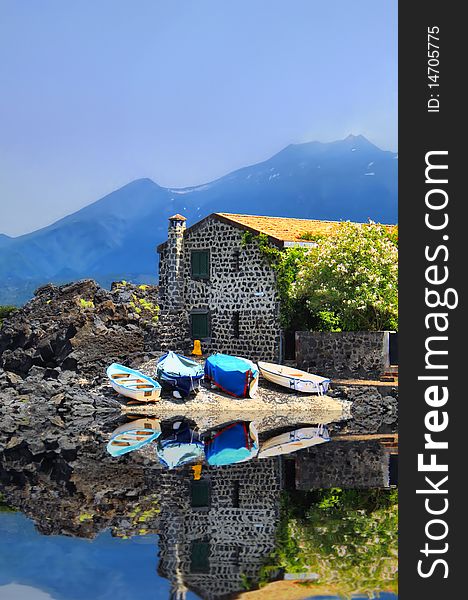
x=95, y=94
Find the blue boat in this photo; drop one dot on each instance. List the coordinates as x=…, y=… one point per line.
x=133, y=436
x=234, y=375
x=179, y=373
x=235, y=443
x=181, y=447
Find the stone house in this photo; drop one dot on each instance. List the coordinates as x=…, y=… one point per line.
x=216, y=288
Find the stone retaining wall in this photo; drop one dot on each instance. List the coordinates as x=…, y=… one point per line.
x=362, y=464
x=356, y=354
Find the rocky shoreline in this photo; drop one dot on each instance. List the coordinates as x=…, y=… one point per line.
x=54, y=351
x=80, y=328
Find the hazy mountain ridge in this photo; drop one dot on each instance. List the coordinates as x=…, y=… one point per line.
x=115, y=237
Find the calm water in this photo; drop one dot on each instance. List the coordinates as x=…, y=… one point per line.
x=96, y=527
x=37, y=567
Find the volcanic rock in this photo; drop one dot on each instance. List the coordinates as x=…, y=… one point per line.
x=79, y=327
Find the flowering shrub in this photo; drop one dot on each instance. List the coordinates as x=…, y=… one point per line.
x=350, y=281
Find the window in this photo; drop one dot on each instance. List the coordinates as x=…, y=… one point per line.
x=200, y=557
x=235, y=494
x=236, y=261
x=200, y=325
x=201, y=264
x=235, y=557
x=235, y=325
x=200, y=494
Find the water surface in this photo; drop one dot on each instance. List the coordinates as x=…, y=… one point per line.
x=92, y=526
x=35, y=567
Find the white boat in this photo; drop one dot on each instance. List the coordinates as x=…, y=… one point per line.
x=133, y=436
x=133, y=384
x=292, y=441
x=294, y=379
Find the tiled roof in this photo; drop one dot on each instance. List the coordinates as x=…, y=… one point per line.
x=282, y=229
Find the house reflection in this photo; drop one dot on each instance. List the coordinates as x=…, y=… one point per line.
x=216, y=532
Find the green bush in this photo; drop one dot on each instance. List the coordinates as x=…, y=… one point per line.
x=5, y=312
x=351, y=279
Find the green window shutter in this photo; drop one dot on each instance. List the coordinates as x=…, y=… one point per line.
x=200, y=326
x=195, y=263
x=200, y=557
x=201, y=264
x=200, y=494
x=204, y=264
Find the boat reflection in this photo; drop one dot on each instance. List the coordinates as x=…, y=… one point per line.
x=292, y=441
x=180, y=447
x=179, y=443
x=133, y=436
x=233, y=443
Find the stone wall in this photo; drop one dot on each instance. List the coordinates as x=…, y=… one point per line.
x=240, y=281
x=374, y=408
x=174, y=279
x=358, y=354
x=173, y=332
x=360, y=465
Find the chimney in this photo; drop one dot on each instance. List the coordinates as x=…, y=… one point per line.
x=175, y=263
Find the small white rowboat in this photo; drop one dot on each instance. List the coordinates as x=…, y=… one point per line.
x=133, y=384
x=292, y=441
x=294, y=379
x=133, y=436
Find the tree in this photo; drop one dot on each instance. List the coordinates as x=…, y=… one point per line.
x=349, y=281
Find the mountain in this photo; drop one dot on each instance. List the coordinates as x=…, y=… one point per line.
x=115, y=237
x=349, y=179
x=4, y=239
